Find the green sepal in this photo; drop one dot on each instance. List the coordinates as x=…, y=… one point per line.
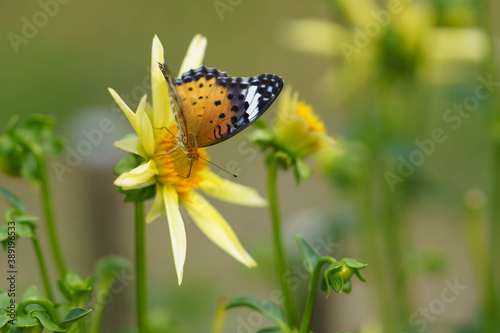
x=347, y=287
x=301, y=171
x=267, y=308
x=127, y=163
x=309, y=255
x=354, y=263
x=139, y=194
x=360, y=277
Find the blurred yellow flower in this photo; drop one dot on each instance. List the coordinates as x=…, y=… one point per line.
x=298, y=130
x=167, y=168
x=403, y=35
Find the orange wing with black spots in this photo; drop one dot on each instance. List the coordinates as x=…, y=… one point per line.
x=218, y=107
x=215, y=107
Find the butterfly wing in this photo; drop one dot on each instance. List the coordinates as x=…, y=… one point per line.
x=176, y=103
x=218, y=107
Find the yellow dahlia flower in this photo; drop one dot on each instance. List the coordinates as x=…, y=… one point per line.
x=167, y=168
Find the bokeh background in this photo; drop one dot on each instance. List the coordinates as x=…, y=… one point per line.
x=378, y=82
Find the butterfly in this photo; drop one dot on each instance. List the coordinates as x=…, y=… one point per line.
x=210, y=107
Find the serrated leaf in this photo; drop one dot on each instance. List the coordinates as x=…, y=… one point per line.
x=73, y=316
x=13, y=200
x=309, y=255
x=354, y=263
x=46, y=321
x=267, y=308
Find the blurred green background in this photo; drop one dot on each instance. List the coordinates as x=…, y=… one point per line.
x=395, y=89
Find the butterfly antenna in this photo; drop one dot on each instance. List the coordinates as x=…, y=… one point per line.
x=232, y=174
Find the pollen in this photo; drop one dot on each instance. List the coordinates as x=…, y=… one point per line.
x=306, y=111
x=173, y=165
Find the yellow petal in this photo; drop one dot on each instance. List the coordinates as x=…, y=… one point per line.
x=194, y=55
x=131, y=144
x=215, y=227
x=128, y=112
x=176, y=226
x=158, y=207
x=140, y=177
x=145, y=128
x=162, y=114
x=229, y=191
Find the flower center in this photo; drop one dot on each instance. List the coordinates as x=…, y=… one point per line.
x=312, y=119
x=173, y=165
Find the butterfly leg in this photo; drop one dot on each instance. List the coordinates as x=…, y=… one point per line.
x=165, y=127
x=171, y=150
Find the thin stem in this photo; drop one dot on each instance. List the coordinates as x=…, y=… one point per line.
x=220, y=317
x=278, y=243
x=140, y=266
x=49, y=212
x=43, y=268
x=102, y=293
x=312, y=290
x=492, y=272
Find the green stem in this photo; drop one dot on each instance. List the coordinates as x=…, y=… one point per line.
x=492, y=272
x=44, y=303
x=278, y=243
x=43, y=267
x=49, y=212
x=220, y=317
x=102, y=293
x=311, y=295
x=140, y=266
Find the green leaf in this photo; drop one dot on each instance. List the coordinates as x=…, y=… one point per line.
x=4, y=318
x=310, y=256
x=39, y=126
x=269, y=309
x=53, y=146
x=13, y=200
x=140, y=194
x=127, y=163
x=14, y=329
x=73, y=316
x=25, y=321
x=354, y=263
x=46, y=322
